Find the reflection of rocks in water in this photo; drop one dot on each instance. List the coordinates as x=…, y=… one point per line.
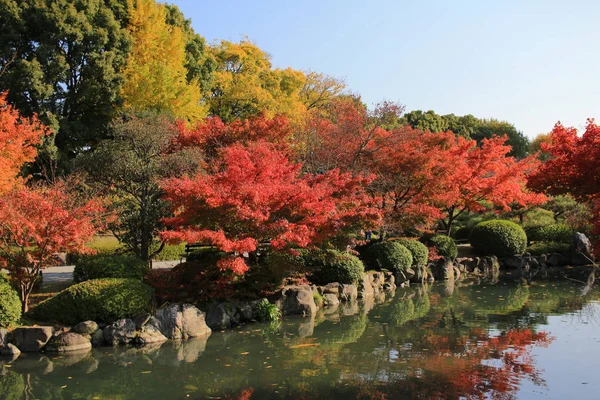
x=368, y=304
x=350, y=308
x=190, y=350
x=307, y=327
x=331, y=309
x=448, y=288
x=12, y=385
x=33, y=363
x=70, y=359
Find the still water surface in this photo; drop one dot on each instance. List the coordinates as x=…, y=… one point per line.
x=505, y=341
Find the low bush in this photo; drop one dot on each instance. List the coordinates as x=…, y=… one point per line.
x=10, y=304
x=205, y=255
x=386, y=255
x=265, y=311
x=101, y=300
x=109, y=266
x=327, y=266
x=558, y=233
x=318, y=297
x=462, y=233
x=444, y=246
x=419, y=251
x=539, y=248
x=499, y=237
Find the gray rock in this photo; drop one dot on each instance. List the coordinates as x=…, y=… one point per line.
x=141, y=320
x=348, y=292
x=3, y=335
x=331, y=300
x=31, y=338
x=245, y=311
x=149, y=334
x=86, y=328
x=443, y=269
x=222, y=316
x=582, y=251
x=180, y=321
x=513, y=262
x=296, y=300
x=10, y=350
x=68, y=342
x=366, y=289
x=98, y=338
x=331, y=288
x=121, y=331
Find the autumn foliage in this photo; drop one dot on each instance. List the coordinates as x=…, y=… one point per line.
x=36, y=223
x=573, y=166
x=253, y=193
x=18, y=140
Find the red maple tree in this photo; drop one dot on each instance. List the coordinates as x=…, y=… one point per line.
x=253, y=193
x=35, y=224
x=486, y=174
x=18, y=140
x=573, y=167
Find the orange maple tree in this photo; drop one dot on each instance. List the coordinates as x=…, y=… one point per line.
x=35, y=224
x=573, y=167
x=18, y=140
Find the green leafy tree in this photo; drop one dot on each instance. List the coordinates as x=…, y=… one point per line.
x=61, y=60
x=128, y=167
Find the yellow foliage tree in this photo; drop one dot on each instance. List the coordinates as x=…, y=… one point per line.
x=245, y=84
x=156, y=76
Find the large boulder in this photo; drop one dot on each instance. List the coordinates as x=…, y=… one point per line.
x=443, y=269
x=3, y=336
x=582, y=251
x=121, y=331
x=348, y=292
x=366, y=289
x=331, y=300
x=10, y=351
x=86, y=328
x=68, y=342
x=296, y=300
x=221, y=316
x=31, y=338
x=180, y=321
x=149, y=334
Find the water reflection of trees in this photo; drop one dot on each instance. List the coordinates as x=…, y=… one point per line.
x=425, y=342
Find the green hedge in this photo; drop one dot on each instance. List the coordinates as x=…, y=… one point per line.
x=499, y=237
x=386, y=255
x=100, y=300
x=10, y=304
x=109, y=266
x=539, y=248
x=327, y=266
x=558, y=233
x=444, y=245
x=419, y=251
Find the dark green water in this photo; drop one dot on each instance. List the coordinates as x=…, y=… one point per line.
x=504, y=341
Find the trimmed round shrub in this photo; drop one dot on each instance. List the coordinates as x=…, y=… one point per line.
x=462, y=233
x=208, y=255
x=100, y=300
x=328, y=266
x=387, y=255
x=499, y=237
x=444, y=245
x=419, y=251
x=10, y=304
x=109, y=266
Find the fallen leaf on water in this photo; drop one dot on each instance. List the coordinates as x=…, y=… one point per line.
x=299, y=346
x=228, y=365
x=146, y=372
x=270, y=366
x=62, y=387
x=245, y=352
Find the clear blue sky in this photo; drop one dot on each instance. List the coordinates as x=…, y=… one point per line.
x=530, y=62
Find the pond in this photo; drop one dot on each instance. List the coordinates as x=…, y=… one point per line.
x=502, y=341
